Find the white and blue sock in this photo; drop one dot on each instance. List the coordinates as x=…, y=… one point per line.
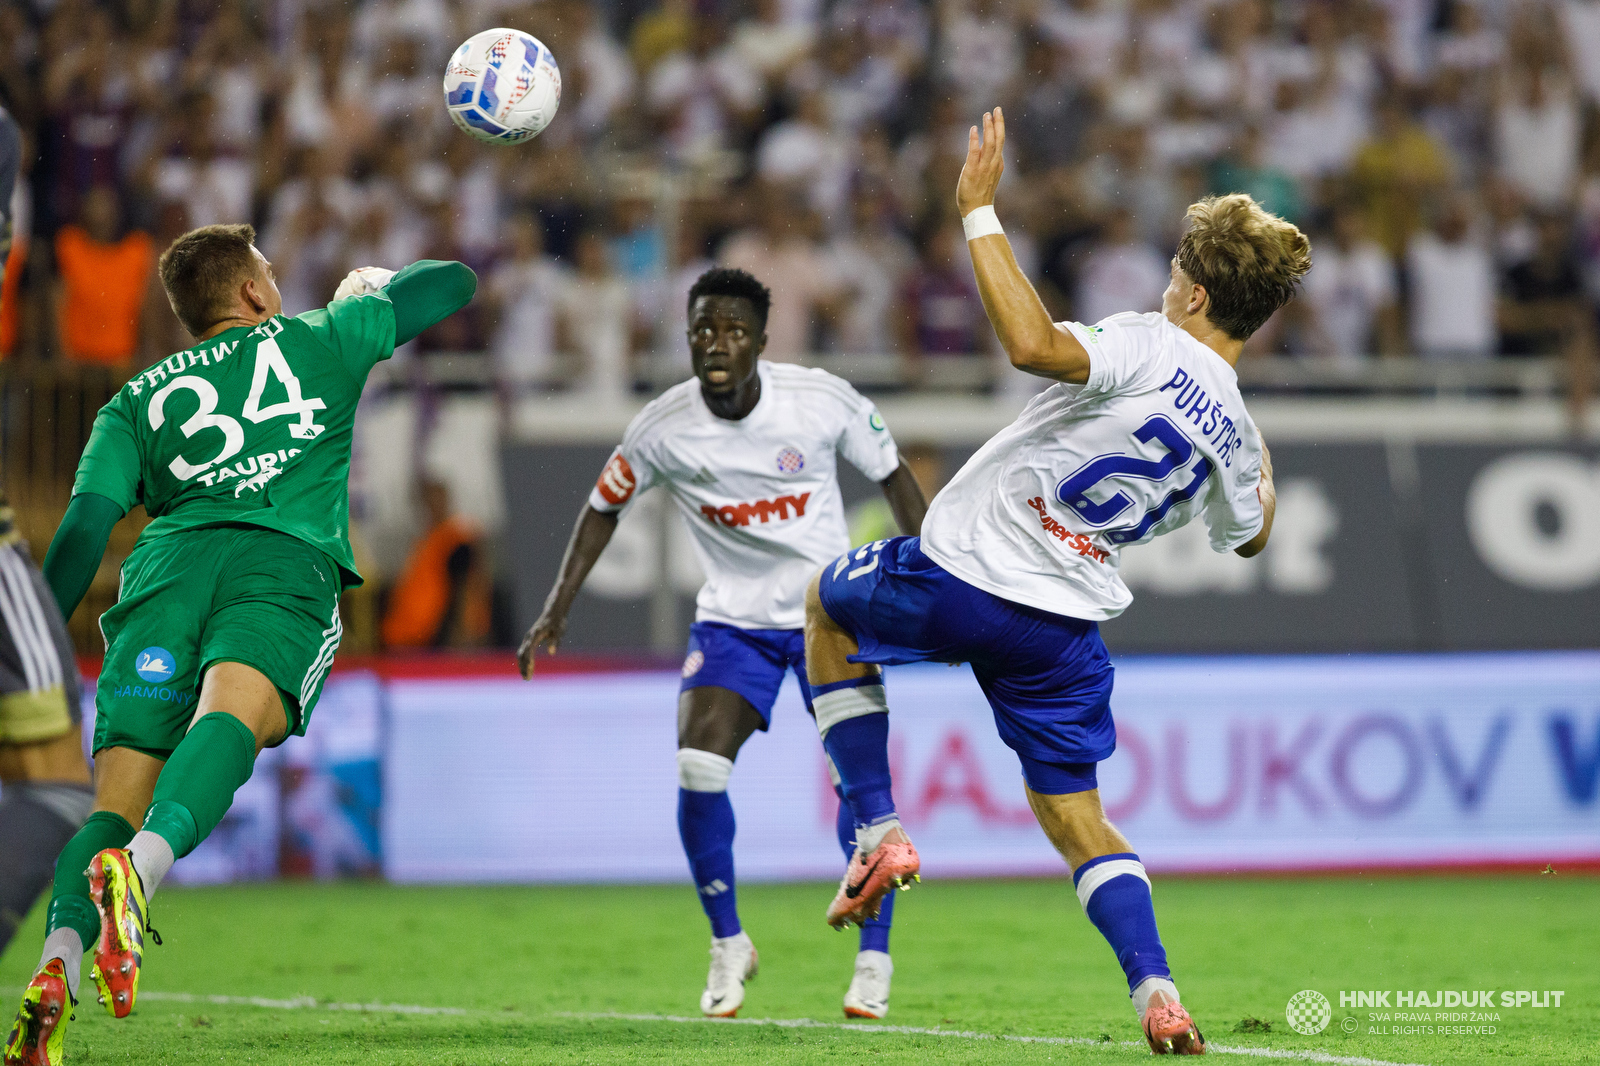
x=853, y=718
x=1115, y=893
x=874, y=931
x=706, y=826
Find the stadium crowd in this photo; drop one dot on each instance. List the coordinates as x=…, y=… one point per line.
x=1444, y=154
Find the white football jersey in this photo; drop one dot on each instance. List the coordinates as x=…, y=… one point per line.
x=1157, y=436
x=760, y=495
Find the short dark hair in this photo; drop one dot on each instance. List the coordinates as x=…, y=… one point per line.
x=727, y=281
x=201, y=269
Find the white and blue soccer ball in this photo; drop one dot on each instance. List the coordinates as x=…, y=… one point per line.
x=502, y=86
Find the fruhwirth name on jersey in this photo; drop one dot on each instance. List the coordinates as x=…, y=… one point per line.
x=1191, y=401
x=740, y=514
x=1077, y=541
x=174, y=365
x=617, y=482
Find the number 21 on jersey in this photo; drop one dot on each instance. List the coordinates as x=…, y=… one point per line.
x=1073, y=491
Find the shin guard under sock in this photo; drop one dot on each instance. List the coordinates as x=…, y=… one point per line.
x=196, y=786
x=706, y=826
x=874, y=931
x=1115, y=893
x=859, y=748
x=70, y=904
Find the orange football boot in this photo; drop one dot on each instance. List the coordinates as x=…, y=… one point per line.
x=868, y=878
x=1171, y=1031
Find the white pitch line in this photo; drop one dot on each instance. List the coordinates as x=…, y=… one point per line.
x=310, y=1003
x=299, y=1003
x=968, y=1034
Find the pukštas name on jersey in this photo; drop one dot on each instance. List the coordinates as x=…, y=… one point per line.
x=760, y=495
x=1157, y=436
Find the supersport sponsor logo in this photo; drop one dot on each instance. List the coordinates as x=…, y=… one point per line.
x=1076, y=541
x=739, y=514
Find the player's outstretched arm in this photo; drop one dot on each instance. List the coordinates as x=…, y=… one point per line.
x=589, y=538
x=905, y=499
x=75, y=550
x=1268, y=492
x=428, y=291
x=1032, y=342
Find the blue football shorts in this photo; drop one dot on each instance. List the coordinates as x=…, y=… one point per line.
x=1047, y=677
x=750, y=662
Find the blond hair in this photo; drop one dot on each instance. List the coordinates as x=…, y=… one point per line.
x=1249, y=260
x=201, y=270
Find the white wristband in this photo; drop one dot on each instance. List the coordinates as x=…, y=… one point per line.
x=982, y=222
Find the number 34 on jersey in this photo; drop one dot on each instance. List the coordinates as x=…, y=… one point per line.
x=194, y=462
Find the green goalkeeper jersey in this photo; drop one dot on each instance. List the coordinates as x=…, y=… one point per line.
x=252, y=426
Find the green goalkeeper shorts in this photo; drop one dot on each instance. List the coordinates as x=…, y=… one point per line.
x=197, y=597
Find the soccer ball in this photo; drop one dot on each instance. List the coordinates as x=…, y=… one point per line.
x=502, y=86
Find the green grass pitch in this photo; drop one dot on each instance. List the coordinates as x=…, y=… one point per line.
x=536, y=972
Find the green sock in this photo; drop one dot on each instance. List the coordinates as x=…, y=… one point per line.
x=196, y=786
x=70, y=904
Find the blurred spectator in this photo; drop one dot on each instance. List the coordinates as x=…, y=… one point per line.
x=662, y=304
x=804, y=154
x=1396, y=172
x=1053, y=113
x=1450, y=273
x=704, y=93
x=783, y=255
x=442, y=597
x=598, y=77
x=1542, y=306
x=89, y=98
x=1581, y=20
x=103, y=275
x=981, y=51
x=1246, y=169
x=639, y=249
x=1351, y=291
x=941, y=313
x=1126, y=175
x=871, y=263
x=1120, y=272
x=770, y=44
x=661, y=32
x=1537, y=127
x=214, y=187
x=860, y=81
x=525, y=296
x=899, y=30
x=162, y=333
x=1092, y=33
x=596, y=323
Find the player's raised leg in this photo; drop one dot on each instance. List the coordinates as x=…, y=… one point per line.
x=852, y=715
x=1115, y=893
x=713, y=724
